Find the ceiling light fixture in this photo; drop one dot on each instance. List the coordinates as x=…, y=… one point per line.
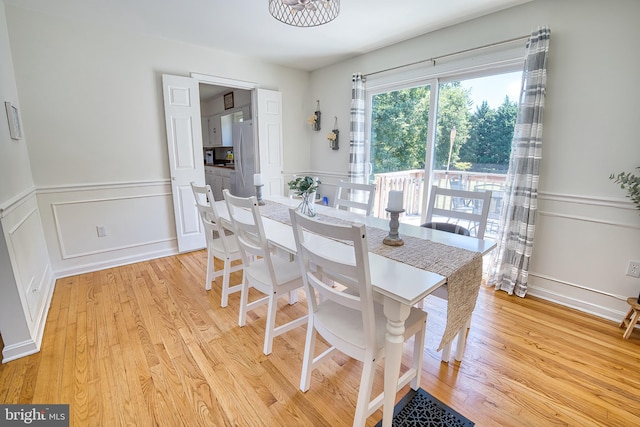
x=304, y=13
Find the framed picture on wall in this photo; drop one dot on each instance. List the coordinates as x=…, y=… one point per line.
x=228, y=101
x=13, y=116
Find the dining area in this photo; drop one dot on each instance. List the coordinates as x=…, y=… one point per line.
x=286, y=253
x=148, y=344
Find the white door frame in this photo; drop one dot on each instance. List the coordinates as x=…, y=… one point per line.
x=274, y=186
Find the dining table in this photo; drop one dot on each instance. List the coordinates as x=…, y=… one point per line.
x=401, y=276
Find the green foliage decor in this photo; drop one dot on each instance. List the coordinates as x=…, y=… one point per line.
x=302, y=186
x=631, y=183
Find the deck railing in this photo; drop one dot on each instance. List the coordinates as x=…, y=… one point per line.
x=412, y=182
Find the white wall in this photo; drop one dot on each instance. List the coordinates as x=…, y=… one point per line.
x=26, y=279
x=92, y=104
x=587, y=230
x=14, y=157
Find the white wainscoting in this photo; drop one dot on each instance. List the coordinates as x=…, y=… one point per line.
x=27, y=278
x=137, y=216
x=581, y=251
x=583, y=244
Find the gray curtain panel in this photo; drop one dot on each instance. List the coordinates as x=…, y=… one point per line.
x=356, y=131
x=509, y=268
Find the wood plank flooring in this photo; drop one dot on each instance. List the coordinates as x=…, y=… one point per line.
x=146, y=345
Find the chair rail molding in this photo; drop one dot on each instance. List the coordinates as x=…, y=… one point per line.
x=614, y=202
x=100, y=186
x=15, y=201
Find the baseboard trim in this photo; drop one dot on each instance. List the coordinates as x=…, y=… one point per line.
x=580, y=305
x=117, y=262
x=18, y=350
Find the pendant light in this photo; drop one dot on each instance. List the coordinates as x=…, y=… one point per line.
x=304, y=13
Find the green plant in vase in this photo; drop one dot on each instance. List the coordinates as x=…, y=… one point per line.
x=306, y=188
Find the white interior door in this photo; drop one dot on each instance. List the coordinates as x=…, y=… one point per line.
x=269, y=118
x=186, y=163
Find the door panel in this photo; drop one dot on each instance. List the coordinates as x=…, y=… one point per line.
x=186, y=163
x=270, y=140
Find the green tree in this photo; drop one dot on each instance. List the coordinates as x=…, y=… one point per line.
x=491, y=134
x=482, y=127
x=503, y=132
x=453, y=111
x=400, y=122
x=399, y=129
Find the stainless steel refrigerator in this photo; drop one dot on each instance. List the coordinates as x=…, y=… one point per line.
x=244, y=156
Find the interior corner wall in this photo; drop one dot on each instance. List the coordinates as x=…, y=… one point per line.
x=26, y=280
x=92, y=104
x=586, y=230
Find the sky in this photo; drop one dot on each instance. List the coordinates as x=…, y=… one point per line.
x=493, y=89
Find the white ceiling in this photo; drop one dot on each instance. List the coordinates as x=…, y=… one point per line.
x=246, y=28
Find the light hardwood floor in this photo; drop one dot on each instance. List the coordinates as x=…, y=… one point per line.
x=146, y=345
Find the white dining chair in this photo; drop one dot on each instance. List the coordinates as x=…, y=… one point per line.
x=219, y=244
x=347, y=316
x=461, y=212
x=264, y=271
x=354, y=195
x=468, y=209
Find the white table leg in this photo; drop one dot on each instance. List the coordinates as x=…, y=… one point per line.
x=396, y=314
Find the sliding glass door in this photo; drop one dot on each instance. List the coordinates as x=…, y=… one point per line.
x=398, y=145
x=450, y=132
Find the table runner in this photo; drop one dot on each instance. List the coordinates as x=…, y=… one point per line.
x=462, y=268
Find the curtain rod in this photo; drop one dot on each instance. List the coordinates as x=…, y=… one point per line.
x=435, y=58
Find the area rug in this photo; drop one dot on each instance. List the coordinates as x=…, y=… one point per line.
x=419, y=408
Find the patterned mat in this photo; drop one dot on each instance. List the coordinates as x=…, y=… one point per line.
x=419, y=408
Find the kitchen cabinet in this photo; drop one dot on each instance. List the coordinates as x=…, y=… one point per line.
x=211, y=131
x=215, y=131
x=204, y=122
x=219, y=178
x=209, y=176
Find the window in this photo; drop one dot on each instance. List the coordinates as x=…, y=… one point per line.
x=451, y=129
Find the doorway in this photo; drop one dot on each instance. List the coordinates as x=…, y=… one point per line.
x=185, y=145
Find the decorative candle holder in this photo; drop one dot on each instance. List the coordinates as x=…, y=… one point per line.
x=393, y=239
x=259, y=194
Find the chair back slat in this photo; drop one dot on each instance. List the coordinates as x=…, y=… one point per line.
x=212, y=223
x=469, y=209
x=355, y=195
x=249, y=230
x=347, y=264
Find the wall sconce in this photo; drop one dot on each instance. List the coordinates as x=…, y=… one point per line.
x=333, y=136
x=314, y=119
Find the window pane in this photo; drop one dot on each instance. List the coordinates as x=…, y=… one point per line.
x=399, y=121
x=475, y=124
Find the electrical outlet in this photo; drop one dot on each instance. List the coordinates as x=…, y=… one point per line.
x=102, y=230
x=633, y=269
